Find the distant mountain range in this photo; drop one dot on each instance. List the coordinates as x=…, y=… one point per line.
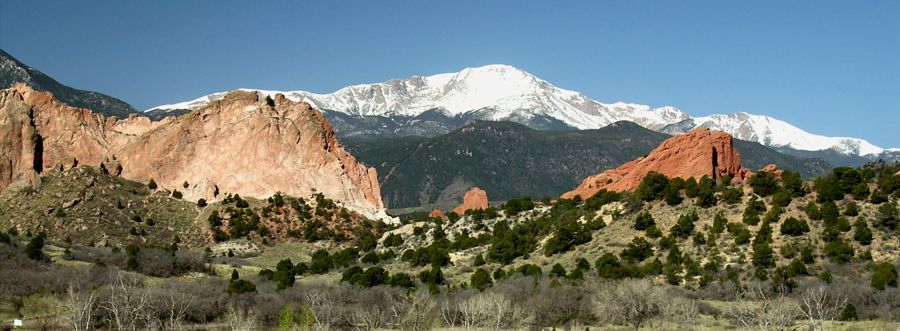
x=510, y=160
x=434, y=105
x=12, y=71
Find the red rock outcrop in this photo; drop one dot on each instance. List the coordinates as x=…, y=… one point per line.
x=241, y=144
x=475, y=198
x=772, y=168
x=437, y=213
x=695, y=154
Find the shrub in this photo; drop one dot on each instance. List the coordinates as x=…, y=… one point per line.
x=781, y=198
x=34, y=249
x=240, y=286
x=515, y=206
x=852, y=209
x=643, y=221
x=763, y=183
x=732, y=195
x=885, y=275
x=672, y=195
x=481, y=279
x=638, y=250
x=685, y=225
x=176, y=194
x=792, y=183
x=812, y=211
x=861, y=232
x=152, y=184
x=848, y=313
x=887, y=215
x=794, y=227
x=201, y=203
x=839, y=250
x=652, y=186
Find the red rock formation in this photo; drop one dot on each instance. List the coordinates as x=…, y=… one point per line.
x=240, y=144
x=437, y=213
x=475, y=198
x=695, y=154
x=772, y=168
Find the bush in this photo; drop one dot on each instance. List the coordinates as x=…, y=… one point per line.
x=481, y=279
x=34, y=249
x=685, y=225
x=652, y=186
x=515, y=206
x=885, y=275
x=813, y=212
x=763, y=183
x=732, y=195
x=861, y=232
x=201, y=202
x=152, y=184
x=176, y=194
x=240, y=286
x=672, y=195
x=887, y=215
x=638, y=250
x=848, y=313
x=839, y=250
x=643, y=221
x=852, y=209
x=794, y=227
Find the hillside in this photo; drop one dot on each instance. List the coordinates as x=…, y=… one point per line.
x=12, y=71
x=510, y=160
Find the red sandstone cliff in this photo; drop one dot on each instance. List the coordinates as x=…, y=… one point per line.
x=475, y=198
x=241, y=144
x=695, y=154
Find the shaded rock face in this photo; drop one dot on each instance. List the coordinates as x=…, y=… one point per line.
x=239, y=144
x=475, y=198
x=695, y=154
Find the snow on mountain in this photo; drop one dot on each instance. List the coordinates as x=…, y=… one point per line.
x=776, y=133
x=502, y=92
x=497, y=92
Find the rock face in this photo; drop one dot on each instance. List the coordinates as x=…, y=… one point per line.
x=475, y=198
x=241, y=144
x=695, y=154
x=437, y=213
x=772, y=168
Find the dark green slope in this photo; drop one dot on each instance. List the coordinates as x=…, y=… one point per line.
x=12, y=71
x=510, y=160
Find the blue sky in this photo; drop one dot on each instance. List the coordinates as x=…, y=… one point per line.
x=829, y=67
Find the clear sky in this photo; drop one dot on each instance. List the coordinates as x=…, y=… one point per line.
x=829, y=67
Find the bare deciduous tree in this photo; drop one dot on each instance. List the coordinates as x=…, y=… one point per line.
x=127, y=302
x=632, y=301
x=79, y=308
x=325, y=307
x=239, y=320
x=818, y=305
x=759, y=310
x=416, y=314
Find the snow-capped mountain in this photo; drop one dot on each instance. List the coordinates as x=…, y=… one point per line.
x=502, y=92
x=494, y=92
x=774, y=133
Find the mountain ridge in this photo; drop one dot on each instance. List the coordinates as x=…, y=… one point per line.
x=502, y=92
x=13, y=71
